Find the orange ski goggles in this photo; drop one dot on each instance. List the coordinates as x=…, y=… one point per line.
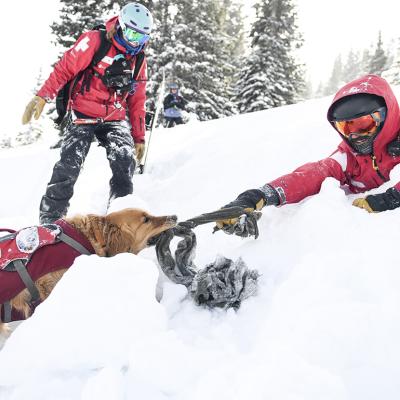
x=367, y=125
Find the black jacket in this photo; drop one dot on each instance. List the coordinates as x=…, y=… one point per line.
x=174, y=100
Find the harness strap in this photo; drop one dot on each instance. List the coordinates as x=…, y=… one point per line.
x=74, y=244
x=30, y=284
x=7, y=312
x=26, y=278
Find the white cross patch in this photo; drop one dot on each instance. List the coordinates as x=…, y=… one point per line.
x=107, y=60
x=83, y=45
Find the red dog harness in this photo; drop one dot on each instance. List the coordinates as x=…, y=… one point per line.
x=31, y=253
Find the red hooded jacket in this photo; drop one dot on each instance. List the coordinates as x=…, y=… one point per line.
x=98, y=102
x=356, y=171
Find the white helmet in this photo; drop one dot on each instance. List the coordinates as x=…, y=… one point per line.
x=137, y=17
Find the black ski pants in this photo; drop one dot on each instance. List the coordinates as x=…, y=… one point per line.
x=170, y=122
x=115, y=137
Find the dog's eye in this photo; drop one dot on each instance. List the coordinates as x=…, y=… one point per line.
x=146, y=219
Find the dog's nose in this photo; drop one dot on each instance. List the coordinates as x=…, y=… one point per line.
x=172, y=219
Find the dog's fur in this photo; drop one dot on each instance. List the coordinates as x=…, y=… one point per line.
x=125, y=231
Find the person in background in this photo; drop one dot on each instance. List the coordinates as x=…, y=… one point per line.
x=365, y=114
x=174, y=104
x=100, y=100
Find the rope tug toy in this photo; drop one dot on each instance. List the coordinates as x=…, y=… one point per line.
x=223, y=283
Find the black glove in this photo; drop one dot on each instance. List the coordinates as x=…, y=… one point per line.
x=250, y=200
x=379, y=202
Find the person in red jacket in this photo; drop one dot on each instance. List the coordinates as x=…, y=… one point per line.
x=366, y=115
x=98, y=106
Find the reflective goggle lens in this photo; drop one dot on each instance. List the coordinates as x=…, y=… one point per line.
x=365, y=125
x=135, y=37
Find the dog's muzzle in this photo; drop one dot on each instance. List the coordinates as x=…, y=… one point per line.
x=172, y=220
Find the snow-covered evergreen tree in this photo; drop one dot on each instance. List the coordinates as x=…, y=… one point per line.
x=336, y=79
x=378, y=61
x=352, y=67
x=392, y=74
x=192, y=47
x=271, y=76
x=365, y=62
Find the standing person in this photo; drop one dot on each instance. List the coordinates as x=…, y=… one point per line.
x=366, y=115
x=101, y=95
x=174, y=104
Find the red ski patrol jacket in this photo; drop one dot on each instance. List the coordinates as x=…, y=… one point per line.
x=357, y=172
x=98, y=101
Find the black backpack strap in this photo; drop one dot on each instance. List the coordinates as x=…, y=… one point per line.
x=105, y=46
x=101, y=52
x=138, y=64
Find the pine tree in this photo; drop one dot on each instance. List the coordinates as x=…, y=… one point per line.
x=336, y=79
x=378, y=62
x=271, y=76
x=352, y=67
x=190, y=46
x=392, y=74
x=365, y=61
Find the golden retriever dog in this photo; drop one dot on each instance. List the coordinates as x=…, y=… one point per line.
x=125, y=231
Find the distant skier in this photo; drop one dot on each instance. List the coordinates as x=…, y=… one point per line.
x=366, y=115
x=100, y=100
x=174, y=104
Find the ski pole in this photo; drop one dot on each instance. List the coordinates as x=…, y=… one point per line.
x=154, y=122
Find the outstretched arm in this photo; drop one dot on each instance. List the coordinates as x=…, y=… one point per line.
x=291, y=188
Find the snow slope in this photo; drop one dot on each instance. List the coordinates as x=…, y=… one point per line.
x=324, y=325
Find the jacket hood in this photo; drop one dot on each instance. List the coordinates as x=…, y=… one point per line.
x=111, y=24
x=372, y=84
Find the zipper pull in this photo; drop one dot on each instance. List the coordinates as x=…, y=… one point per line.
x=374, y=164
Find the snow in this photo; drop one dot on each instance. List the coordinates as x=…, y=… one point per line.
x=324, y=324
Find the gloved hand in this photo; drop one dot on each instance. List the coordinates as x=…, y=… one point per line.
x=35, y=106
x=140, y=149
x=249, y=200
x=379, y=202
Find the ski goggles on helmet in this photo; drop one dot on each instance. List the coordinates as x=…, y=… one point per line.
x=367, y=125
x=134, y=37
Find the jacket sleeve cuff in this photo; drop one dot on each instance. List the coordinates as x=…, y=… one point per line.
x=273, y=196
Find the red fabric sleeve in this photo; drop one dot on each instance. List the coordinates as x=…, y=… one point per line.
x=136, y=106
x=307, y=180
x=74, y=60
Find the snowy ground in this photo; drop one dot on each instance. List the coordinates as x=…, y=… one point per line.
x=324, y=325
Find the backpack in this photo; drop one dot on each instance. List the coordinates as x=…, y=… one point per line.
x=65, y=92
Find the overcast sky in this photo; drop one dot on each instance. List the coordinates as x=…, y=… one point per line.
x=329, y=27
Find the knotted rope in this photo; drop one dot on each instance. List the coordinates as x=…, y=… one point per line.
x=223, y=283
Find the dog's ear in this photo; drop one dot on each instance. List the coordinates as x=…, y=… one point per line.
x=98, y=232
x=116, y=241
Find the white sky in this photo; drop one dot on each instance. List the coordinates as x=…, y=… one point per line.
x=329, y=27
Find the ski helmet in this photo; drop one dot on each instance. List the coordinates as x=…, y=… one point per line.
x=137, y=17
x=173, y=86
x=352, y=108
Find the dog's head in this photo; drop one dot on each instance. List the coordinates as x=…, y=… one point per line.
x=124, y=231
